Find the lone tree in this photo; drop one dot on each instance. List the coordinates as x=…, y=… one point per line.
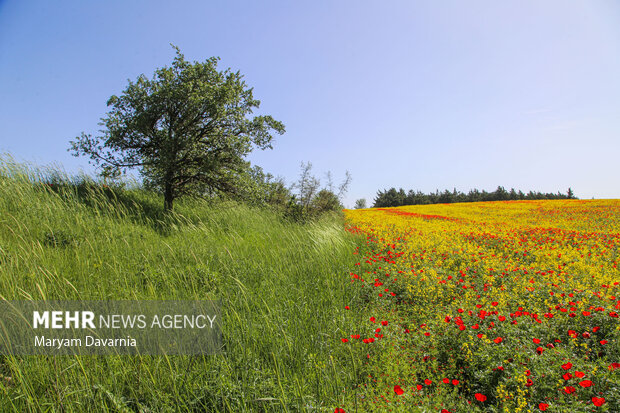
x=187, y=130
x=360, y=203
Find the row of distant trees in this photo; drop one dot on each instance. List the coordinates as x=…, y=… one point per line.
x=393, y=197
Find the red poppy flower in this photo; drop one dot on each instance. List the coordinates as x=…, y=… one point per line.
x=480, y=335
x=494, y=303
x=543, y=406
x=598, y=401
x=480, y=397
x=384, y=323
x=339, y=410
x=418, y=386
x=345, y=340
x=455, y=382
x=372, y=319
x=398, y=390
x=446, y=380
x=567, y=376
x=579, y=374
x=498, y=340
x=614, y=366
x=567, y=366
x=501, y=318
x=536, y=341
x=569, y=390
x=428, y=382
x=603, y=342
x=586, y=383
x=539, y=350
x=529, y=382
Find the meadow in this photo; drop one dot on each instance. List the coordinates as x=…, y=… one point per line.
x=283, y=288
x=497, y=306
x=492, y=306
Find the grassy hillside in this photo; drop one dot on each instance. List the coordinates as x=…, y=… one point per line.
x=284, y=288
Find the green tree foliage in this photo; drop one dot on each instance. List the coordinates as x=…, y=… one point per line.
x=308, y=185
x=187, y=129
x=325, y=201
x=265, y=189
x=310, y=200
x=360, y=203
x=394, y=198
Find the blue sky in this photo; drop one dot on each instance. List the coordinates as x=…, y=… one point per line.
x=416, y=94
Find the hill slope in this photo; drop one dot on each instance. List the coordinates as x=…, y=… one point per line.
x=283, y=286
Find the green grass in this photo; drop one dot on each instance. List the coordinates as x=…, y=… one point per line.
x=283, y=288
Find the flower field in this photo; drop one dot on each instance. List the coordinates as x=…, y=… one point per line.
x=499, y=306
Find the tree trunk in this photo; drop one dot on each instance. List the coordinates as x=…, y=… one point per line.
x=168, y=197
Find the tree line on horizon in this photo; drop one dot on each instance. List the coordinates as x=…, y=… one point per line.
x=394, y=198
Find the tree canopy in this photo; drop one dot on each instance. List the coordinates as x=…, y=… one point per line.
x=187, y=129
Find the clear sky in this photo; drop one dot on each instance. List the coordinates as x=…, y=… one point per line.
x=416, y=94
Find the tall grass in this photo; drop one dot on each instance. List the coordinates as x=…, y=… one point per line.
x=283, y=288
